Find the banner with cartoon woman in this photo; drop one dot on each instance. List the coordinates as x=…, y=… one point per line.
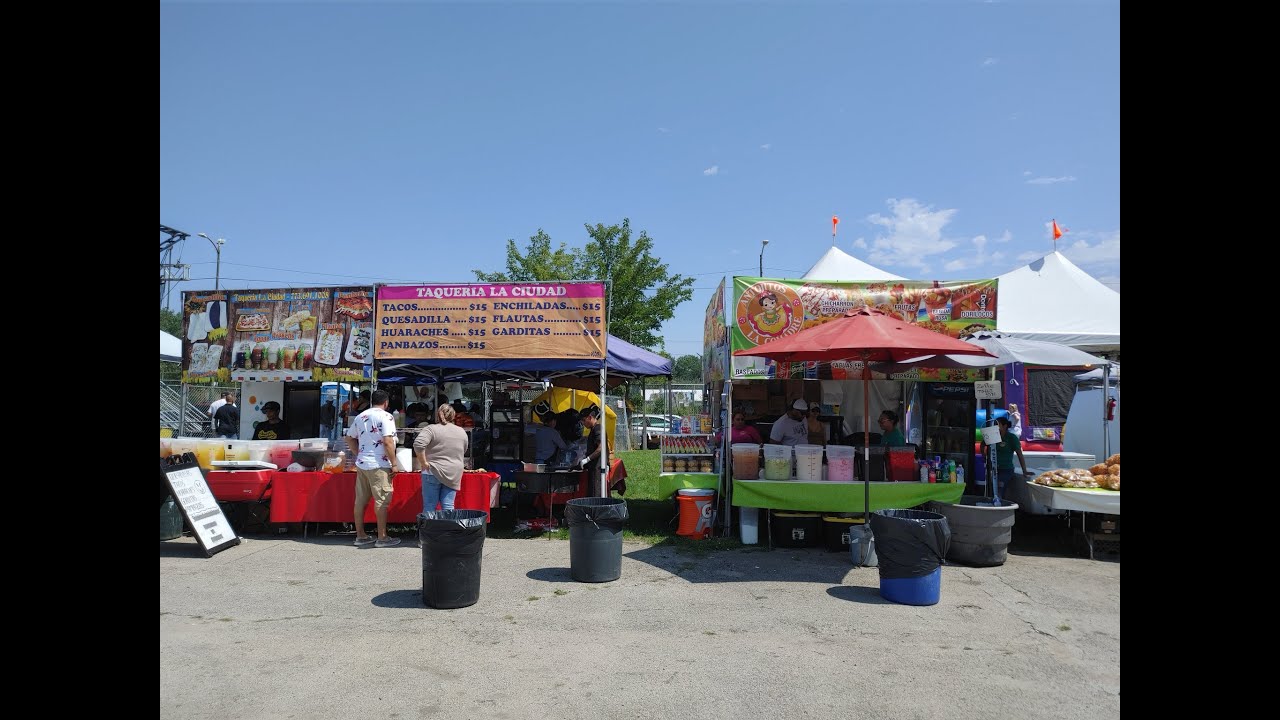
x=765, y=310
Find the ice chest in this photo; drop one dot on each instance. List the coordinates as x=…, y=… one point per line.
x=240, y=485
x=835, y=532
x=796, y=529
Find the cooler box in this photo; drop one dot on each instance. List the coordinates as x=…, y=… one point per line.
x=835, y=531
x=797, y=530
x=240, y=485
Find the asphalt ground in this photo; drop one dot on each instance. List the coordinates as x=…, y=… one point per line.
x=287, y=627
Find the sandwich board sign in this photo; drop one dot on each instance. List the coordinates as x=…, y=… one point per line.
x=199, y=507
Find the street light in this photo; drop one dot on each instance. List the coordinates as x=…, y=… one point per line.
x=217, y=247
x=762, y=244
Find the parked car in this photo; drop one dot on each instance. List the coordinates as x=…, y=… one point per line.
x=647, y=429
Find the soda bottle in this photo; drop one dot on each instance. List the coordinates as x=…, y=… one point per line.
x=960, y=474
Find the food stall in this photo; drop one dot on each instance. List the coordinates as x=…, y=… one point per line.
x=506, y=331
x=761, y=310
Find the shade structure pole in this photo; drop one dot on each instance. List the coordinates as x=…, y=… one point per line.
x=1106, y=416
x=866, y=439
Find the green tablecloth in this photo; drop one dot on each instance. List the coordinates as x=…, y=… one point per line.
x=839, y=496
x=669, y=483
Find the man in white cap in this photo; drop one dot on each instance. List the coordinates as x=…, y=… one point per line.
x=791, y=429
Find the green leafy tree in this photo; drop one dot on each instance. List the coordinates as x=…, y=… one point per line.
x=644, y=294
x=688, y=368
x=171, y=322
x=539, y=263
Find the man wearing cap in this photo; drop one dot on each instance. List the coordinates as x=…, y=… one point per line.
x=791, y=429
x=595, y=444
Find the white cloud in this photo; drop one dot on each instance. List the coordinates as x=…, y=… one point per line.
x=733, y=251
x=713, y=170
x=914, y=234
x=1026, y=173
x=1005, y=237
x=1051, y=180
x=663, y=130
x=1103, y=250
x=989, y=62
x=767, y=146
x=974, y=259
x=860, y=243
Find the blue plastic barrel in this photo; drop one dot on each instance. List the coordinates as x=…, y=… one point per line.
x=924, y=590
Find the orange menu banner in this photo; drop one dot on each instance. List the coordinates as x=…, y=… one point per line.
x=490, y=321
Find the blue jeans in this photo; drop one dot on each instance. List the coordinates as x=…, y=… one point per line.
x=1003, y=476
x=433, y=491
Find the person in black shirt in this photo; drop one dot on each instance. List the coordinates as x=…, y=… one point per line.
x=227, y=419
x=273, y=428
x=595, y=444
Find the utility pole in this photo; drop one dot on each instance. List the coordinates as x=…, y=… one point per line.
x=171, y=272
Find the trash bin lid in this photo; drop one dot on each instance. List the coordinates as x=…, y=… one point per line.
x=697, y=492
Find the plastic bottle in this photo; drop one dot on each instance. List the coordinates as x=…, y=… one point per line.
x=960, y=474
x=933, y=475
x=924, y=471
x=951, y=471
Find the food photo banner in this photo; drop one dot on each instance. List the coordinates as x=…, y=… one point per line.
x=765, y=310
x=292, y=334
x=490, y=321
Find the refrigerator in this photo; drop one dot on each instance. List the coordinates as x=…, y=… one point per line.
x=948, y=417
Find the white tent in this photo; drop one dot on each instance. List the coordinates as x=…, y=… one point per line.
x=1053, y=300
x=840, y=265
x=170, y=348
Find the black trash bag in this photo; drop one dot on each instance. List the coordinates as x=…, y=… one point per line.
x=595, y=538
x=594, y=510
x=909, y=543
x=452, y=544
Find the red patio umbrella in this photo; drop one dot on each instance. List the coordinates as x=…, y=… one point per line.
x=869, y=336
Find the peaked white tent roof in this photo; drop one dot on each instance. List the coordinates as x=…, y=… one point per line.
x=840, y=265
x=1053, y=300
x=170, y=348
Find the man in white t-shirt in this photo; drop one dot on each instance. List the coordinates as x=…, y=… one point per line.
x=372, y=439
x=791, y=429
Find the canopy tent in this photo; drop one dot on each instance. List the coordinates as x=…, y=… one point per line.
x=170, y=348
x=625, y=362
x=1053, y=300
x=837, y=264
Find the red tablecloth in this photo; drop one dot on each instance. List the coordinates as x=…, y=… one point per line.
x=331, y=497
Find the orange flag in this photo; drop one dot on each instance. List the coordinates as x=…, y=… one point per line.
x=834, y=222
x=1057, y=232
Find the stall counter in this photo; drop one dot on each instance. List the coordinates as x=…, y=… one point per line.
x=828, y=496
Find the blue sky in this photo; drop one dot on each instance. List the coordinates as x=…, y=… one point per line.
x=334, y=143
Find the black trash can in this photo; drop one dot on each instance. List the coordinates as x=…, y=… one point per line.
x=452, y=543
x=595, y=538
x=910, y=546
x=170, y=519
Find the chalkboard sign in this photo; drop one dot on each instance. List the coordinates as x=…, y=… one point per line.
x=189, y=489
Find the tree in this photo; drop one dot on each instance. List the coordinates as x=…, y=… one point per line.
x=643, y=293
x=688, y=369
x=171, y=322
